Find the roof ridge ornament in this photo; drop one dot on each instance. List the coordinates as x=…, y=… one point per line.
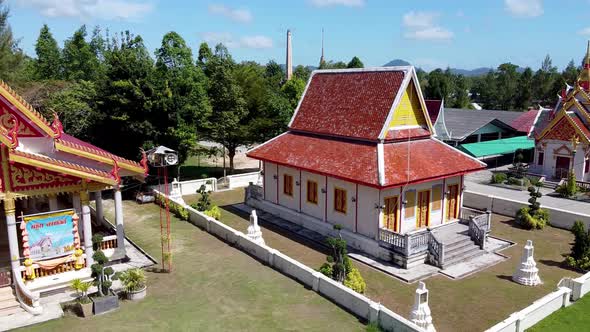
x=115, y=172
x=12, y=134
x=57, y=126
x=144, y=162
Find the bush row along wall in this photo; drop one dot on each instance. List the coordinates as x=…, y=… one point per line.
x=354, y=302
x=531, y=315
x=508, y=207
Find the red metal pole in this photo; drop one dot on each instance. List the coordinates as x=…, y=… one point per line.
x=167, y=218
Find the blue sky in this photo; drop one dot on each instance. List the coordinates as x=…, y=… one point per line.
x=428, y=33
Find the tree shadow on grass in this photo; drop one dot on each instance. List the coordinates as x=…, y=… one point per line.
x=512, y=223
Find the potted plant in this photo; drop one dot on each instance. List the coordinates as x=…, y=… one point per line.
x=106, y=300
x=83, y=301
x=134, y=281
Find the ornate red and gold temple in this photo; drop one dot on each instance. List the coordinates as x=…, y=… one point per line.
x=46, y=180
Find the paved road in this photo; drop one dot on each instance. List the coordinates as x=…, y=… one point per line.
x=523, y=196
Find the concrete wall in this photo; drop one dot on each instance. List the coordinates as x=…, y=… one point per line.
x=531, y=315
x=243, y=180
x=355, y=303
x=270, y=181
x=191, y=187
x=347, y=220
x=292, y=202
x=508, y=207
x=315, y=210
x=368, y=219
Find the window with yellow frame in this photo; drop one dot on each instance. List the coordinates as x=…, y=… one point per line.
x=312, y=192
x=287, y=185
x=340, y=200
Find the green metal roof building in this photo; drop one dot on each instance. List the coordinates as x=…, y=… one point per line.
x=497, y=148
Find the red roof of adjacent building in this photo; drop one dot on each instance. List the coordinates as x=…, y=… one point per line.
x=348, y=103
x=399, y=134
x=357, y=162
x=433, y=107
x=525, y=122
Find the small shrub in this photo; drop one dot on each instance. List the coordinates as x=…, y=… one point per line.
x=569, y=188
x=326, y=269
x=355, y=281
x=580, y=254
x=214, y=212
x=204, y=202
x=182, y=213
x=133, y=280
x=498, y=178
x=529, y=221
x=81, y=289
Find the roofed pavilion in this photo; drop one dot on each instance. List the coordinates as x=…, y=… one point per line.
x=42, y=170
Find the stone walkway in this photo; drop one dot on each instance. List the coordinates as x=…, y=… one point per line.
x=523, y=196
x=420, y=272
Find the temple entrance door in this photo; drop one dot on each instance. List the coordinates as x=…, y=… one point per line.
x=423, y=209
x=452, y=202
x=562, y=166
x=390, y=213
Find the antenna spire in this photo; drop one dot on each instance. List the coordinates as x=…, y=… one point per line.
x=322, y=60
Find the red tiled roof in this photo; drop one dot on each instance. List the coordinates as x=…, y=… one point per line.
x=357, y=161
x=433, y=107
x=400, y=134
x=429, y=160
x=525, y=122
x=347, y=160
x=350, y=104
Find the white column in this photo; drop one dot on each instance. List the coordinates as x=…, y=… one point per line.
x=87, y=222
x=53, y=202
x=9, y=211
x=99, y=209
x=119, y=220
x=77, y=205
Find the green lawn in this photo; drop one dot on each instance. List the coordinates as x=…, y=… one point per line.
x=213, y=287
x=474, y=303
x=572, y=318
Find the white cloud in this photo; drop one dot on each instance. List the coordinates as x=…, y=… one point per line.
x=584, y=32
x=91, y=9
x=422, y=26
x=333, y=3
x=236, y=15
x=524, y=8
x=253, y=42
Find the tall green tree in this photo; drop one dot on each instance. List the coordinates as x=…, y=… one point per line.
x=80, y=61
x=543, y=82
x=48, y=64
x=460, y=96
x=126, y=98
x=355, y=62
x=292, y=90
x=506, y=85
x=77, y=108
x=439, y=85
x=570, y=73
x=228, y=105
x=524, y=94
x=181, y=101
x=302, y=73
x=11, y=56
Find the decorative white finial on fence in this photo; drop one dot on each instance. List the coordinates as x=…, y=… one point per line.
x=527, y=272
x=176, y=191
x=420, y=314
x=254, y=232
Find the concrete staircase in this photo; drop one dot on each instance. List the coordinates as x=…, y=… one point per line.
x=458, y=246
x=9, y=305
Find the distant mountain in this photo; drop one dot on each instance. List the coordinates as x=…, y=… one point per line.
x=457, y=71
x=396, y=62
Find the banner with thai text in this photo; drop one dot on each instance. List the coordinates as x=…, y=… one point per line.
x=49, y=235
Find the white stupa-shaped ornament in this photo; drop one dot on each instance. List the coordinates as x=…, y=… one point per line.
x=175, y=192
x=527, y=272
x=254, y=232
x=420, y=314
